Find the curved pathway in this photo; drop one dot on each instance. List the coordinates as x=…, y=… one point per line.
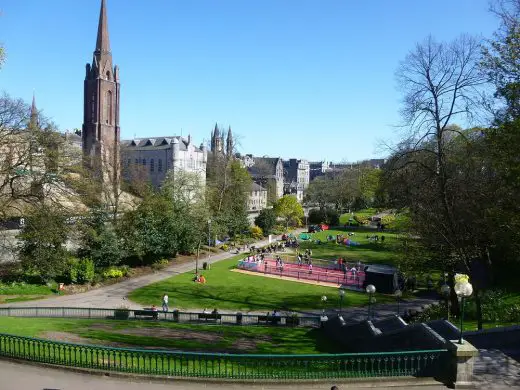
x=115, y=295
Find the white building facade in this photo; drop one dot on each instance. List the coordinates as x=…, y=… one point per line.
x=152, y=158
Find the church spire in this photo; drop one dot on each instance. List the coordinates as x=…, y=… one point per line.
x=103, y=41
x=34, y=113
x=229, y=145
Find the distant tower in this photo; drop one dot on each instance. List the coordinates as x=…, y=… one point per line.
x=101, y=131
x=229, y=143
x=34, y=122
x=217, y=142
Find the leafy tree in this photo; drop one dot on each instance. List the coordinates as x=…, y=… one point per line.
x=99, y=240
x=266, y=220
x=328, y=216
x=43, y=239
x=440, y=168
x=501, y=59
x=228, y=187
x=289, y=209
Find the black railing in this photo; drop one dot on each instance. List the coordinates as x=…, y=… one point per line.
x=148, y=314
x=232, y=366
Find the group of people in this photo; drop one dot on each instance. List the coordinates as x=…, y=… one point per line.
x=375, y=237
x=199, y=278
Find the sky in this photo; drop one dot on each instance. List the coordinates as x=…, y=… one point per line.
x=293, y=78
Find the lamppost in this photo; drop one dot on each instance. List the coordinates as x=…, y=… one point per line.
x=371, y=290
x=209, y=245
x=209, y=232
x=398, y=294
x=341, y=297
x=445, y=291
x=463, y=289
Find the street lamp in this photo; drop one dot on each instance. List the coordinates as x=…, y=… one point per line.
x=371, y=290
x=209, y=232
x=463, y=289
x=398, y=294
x=341, y=297
x=445, y=291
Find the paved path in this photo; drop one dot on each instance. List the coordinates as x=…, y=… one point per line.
x=496, y=370
x=115, y=295
x=18, y=376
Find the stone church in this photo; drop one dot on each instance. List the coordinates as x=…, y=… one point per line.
x=103, y=151
x=100, y=131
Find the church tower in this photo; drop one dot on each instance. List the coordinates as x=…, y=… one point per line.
x=100, y=133
x=229, y=143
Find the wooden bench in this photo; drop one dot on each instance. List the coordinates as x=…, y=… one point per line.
x=269, y=319
x=209, y=317
x=146, y=313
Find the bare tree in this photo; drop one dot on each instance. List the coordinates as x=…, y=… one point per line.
x=442, y=83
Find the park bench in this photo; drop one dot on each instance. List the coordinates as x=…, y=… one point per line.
x=146, y=313
x=269, y=319
x=209, y=317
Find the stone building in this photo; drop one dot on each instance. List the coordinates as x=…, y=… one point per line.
x=266, y=172
x=318, y=168
x=154, y=157
x=257, y=198
x=296, y=177
x=100, y=132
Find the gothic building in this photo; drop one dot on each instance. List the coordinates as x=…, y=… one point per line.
x=217, y=142
x=100, y=132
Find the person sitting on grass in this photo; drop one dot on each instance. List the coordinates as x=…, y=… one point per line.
x=155, y=312
x=196, y=277
x=202, y=279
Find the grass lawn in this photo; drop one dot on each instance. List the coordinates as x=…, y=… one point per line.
x=365, y=213
x=367, y=252
x=235, y=291
x=18, y=292
x=186, y=337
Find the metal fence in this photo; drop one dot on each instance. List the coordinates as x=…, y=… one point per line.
x=174, y=316
x=217, y=365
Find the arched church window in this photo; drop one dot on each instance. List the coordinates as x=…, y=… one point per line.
x=108, y=75
x=159, y=166
x=152, y=165
x=144, y=162
x=108, y=107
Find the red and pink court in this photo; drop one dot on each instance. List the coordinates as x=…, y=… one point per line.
x=350, y=279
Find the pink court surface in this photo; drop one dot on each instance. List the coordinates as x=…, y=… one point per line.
x=330, y=275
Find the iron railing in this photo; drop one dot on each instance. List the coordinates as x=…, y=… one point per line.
x=218, y=365
x=175, y=316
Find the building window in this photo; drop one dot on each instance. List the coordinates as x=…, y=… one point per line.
x=159, y=166
x=152, y=165
x=144, y=162
x=136, y=161
x=129, y=162
x=108, y=107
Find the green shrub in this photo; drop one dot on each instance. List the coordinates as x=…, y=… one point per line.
x=388, y=219
x=161, y=264
x=361, y=219
x=256, y=232
x=113, y=273
x=86, y=271
x=81, y=271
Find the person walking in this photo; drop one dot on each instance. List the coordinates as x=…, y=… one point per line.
x=165, y=302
